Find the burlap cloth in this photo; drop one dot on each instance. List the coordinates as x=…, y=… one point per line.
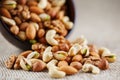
x=99, y=21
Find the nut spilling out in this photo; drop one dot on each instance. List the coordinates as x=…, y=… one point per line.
x=44, y=24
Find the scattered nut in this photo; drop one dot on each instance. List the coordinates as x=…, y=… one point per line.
x=77, y=57
x=36, y=10
x=35, y=17
x=10, y=63
x=76, y=65
x=62, y=63
x=60, y=55
x=14, y=29
x=4, y=12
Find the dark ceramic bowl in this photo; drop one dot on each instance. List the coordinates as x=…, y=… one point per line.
x=25, y=45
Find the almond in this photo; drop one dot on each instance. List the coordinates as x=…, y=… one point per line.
x=31, y=32
x=22, y=2
x=5, y=12
x=25, y=53
x=76, y=65
x=41, y=33
x=35, y=17
x=32, y=3
x=68, y=69
x=62, y=63
x=36, y=10
x=23, y=26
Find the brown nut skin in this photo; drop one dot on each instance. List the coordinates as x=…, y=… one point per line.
x=68, y=69
x=38, y=66
x=35, y=17
x=102, y=64
x=35, y=9
x=5, y=12
x=22, y=2
x=95, y=54
x=76, y=65
x=23, y=26
x=77, y=57
x=32, y=3
x=14, y=29
x=18, y=20
x=25, y=53
x=41, y=33
x=62, y=63
x=10, y=62
x=64, y=47
x=31, y=32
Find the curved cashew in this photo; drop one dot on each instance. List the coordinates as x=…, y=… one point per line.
x=44, y=17
x=42, y=4
x=58, y=2
x=47, y=54
x=8, y=21
x=61, y=55
x=67, y=22
x=74, y=49
x=34, y=54
x=89, y=67
x=85, y=51
x=50, y=37
x=25, y=64
x=54, y=70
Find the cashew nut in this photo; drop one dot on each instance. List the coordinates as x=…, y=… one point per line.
x=34, y=54
x=67, y=22
x=50, y=37
x=58, y=2
x=53, y=70
x=25, y=64
x=42, y=4
x=8, y=21
x=89, y=67
x=44, y=17
x=74, y=49
x=47, y=54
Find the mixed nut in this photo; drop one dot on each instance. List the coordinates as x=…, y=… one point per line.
x=44, y=23
x=80, y=56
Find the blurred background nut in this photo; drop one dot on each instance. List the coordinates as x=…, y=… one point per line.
x=22, y=35
x=44, y=17
x=10, y=62
x=17, y=20
x=22, y=2
x=31, y=32
x=41, y=33
x=32, y=3
x=77, y=57
x=9, y=4
x=23, y=26
x=68, y=69
x=62, y=63
x=60, y=55
x=35, y=17
x=76, y=65
x=42, y=4
x=25, y=53
x=5, y=12
x=35, y=25
x=26, y=15
x=14, y=29
x=58, y=2
x=60, y=15
x=8, y=21
x=33, y=54
x=35, y=9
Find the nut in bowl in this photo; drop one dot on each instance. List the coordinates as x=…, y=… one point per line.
x=45, y=14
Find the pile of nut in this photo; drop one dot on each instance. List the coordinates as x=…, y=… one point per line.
x=45, y=24
x=62, y=60
x=30, y=20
